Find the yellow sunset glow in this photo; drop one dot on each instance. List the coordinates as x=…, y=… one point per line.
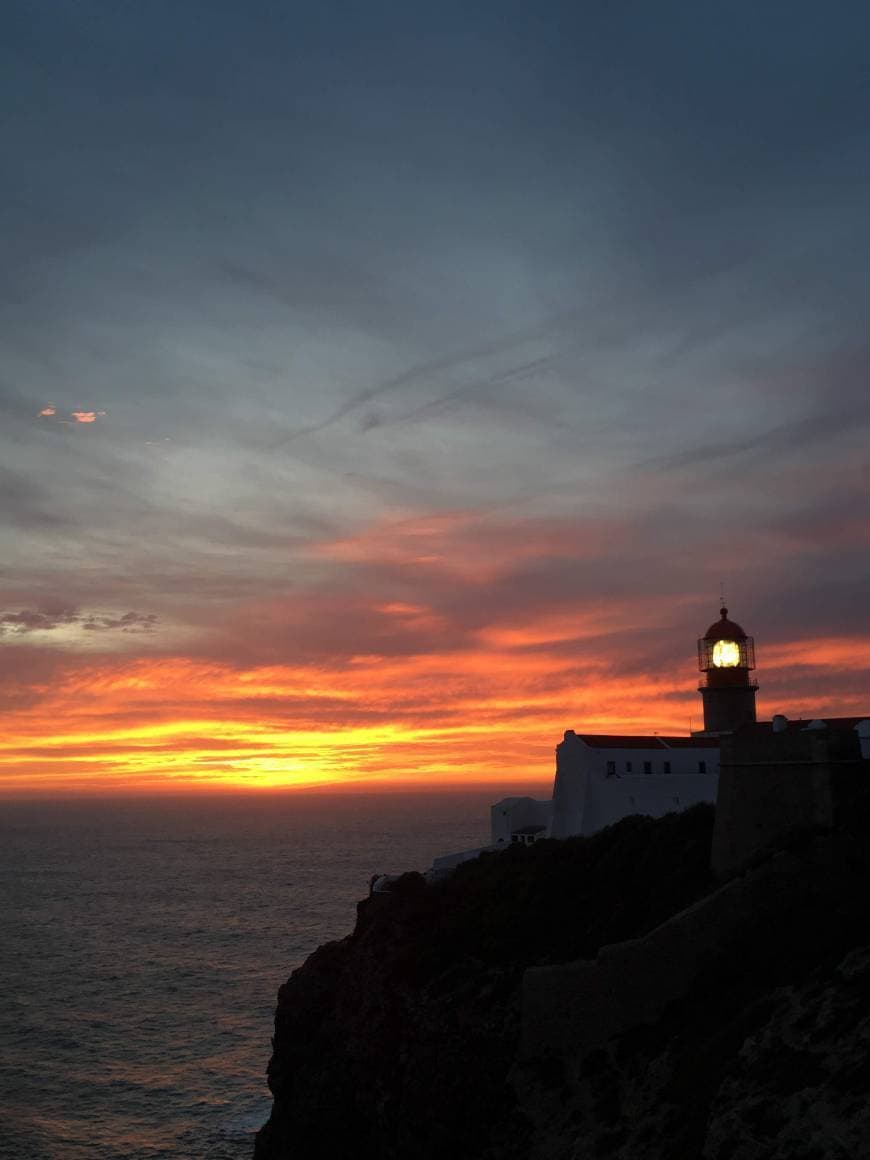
x=488, y=715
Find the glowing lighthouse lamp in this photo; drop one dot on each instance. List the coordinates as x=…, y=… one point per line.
x=726, y=654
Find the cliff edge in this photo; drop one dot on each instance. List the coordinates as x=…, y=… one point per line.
x=593, y=997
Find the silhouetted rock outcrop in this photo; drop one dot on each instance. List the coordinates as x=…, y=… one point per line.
x=415, y=1039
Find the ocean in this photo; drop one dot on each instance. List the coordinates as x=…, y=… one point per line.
x=142, y=944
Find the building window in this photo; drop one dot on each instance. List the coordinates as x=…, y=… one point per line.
x=702, y=767
x=611, y=769
x=667, y=767
x=647, y=767
x=628, y=767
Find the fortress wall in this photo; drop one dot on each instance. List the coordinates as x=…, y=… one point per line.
x=575, y=1008
x=757, y=807
x=773, y=786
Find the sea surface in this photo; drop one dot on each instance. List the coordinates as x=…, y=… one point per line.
x=142, y=943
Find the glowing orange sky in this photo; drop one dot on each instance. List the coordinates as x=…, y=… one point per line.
x=419, y=650
x=492, y=714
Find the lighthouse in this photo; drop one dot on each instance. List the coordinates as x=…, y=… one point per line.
x=726, y=657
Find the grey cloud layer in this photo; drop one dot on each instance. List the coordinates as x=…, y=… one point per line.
x=322, y=264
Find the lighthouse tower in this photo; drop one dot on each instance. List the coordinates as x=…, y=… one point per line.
x=726, y=656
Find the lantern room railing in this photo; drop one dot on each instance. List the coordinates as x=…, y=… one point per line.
x=725, y=679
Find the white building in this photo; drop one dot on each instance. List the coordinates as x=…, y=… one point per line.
x=602, y=778
x=520, y=820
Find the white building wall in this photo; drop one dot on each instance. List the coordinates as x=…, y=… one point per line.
x=573, y=767
x=586, y=798
x=513, y=813
x=651, y=794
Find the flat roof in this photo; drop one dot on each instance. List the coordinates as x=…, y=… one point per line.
x=625, y=741
x=804, y=722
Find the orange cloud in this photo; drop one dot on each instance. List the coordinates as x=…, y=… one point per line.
x=842, y=653
x=460, y=544
x=443, y=718
x=432, y=650
x=492, y=714
x=69, y=418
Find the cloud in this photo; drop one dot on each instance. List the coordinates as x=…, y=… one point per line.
x=791, y=438
x=87, y=416
x=50, y=618
x=480, y=353
x=51, y=413
x=491, y=712
x=33, y=620
x=129, y=622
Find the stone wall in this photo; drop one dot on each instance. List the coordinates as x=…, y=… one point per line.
x=575, y=1008
x=776, y=785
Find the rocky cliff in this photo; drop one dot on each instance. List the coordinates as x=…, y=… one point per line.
x=416, y=1037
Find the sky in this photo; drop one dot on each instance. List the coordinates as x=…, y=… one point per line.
x=388, y=387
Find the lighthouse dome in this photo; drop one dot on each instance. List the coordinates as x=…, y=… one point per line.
x=724, y=629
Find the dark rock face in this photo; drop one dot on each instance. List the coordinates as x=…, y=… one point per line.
x=755, y=1059
x=783, y=1078
x=798, y=1088
x=401, y=1041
